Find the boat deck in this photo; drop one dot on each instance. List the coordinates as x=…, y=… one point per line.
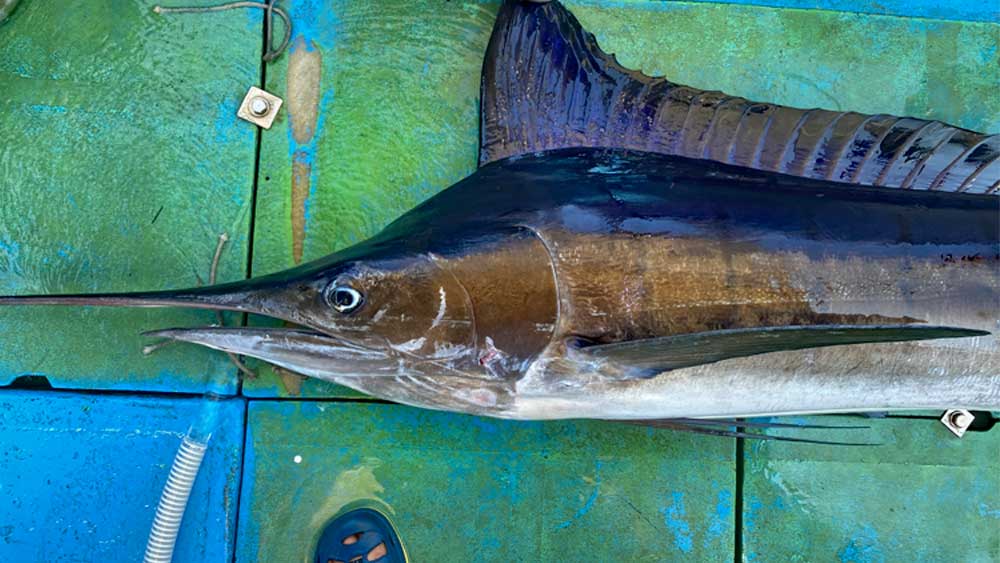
x=122, y=160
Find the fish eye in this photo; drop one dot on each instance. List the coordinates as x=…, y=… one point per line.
x=345, y=299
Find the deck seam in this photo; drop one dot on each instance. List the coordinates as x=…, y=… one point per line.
x=265, y=42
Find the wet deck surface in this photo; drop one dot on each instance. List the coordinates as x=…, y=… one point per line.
x=121, y=161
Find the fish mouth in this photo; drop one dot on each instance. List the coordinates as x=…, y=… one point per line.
x=307, y=348
x=304, y=351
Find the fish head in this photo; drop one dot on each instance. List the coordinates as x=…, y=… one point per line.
x=410, y=305
x=482, y=306
x=476, y=304
x=396, y=314
x=449, y=326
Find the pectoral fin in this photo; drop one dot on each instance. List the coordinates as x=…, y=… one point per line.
x=648, y=357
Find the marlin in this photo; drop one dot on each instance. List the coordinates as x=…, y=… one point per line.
x=595, y=273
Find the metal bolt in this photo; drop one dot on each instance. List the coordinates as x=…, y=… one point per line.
x=958, y=421
x=259, y=106
x=961, y=419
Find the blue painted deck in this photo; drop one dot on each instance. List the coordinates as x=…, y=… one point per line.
x=80, y=475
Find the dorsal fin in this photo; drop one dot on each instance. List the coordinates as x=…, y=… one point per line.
x=547, y=85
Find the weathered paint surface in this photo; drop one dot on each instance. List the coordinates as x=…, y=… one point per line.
x=121, y=163
x=460, y=488
x=921, y=496
x=80, y=476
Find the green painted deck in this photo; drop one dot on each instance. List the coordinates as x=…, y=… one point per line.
x=471, y=489
x=121, y=161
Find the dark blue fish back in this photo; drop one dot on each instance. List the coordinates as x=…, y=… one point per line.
x=547, y=85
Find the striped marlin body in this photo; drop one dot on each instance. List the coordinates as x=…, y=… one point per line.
x=599, y=281
x=596, y=283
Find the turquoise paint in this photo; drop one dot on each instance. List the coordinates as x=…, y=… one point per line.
x=986, y=54
x=485, y=425
x=673, y=517
x=227, y=127
x=248, y=529
x=80, y=474
x=316, y=21
x=986, y=512
x=42, y=108
x=460, y=492
x=255, y=20
x=107, y=120
x=10, y=247
x=863, y=548
x=589, y=504
x=874, y=504
x=719, y=524
x=751, y=509
x=753, y=505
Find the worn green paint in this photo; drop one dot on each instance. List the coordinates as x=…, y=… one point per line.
x=923, y=495
x=398, y=91
x=121, y=161
x=460, y=488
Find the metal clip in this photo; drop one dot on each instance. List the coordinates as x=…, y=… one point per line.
x=958, y=421
x=259, y=107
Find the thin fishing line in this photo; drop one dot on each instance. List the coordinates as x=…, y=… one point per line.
x=268, y=6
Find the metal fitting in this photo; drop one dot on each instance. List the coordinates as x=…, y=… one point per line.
x=957, y=421
x=259, y=107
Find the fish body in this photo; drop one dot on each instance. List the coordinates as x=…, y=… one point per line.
x=591, y=269
x=596, y=283
x=608, y=246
